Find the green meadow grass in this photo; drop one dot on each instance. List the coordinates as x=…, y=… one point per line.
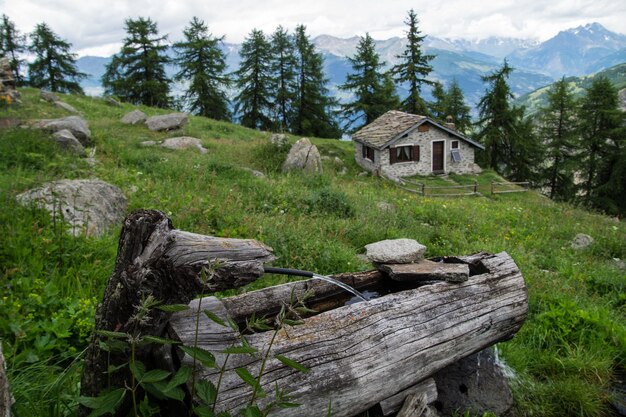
x=564, y=357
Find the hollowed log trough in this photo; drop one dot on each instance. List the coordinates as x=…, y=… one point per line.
x=359, y=354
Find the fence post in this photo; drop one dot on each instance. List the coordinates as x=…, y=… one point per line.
x=423, y=189
x=475, y=187
x=491, y=187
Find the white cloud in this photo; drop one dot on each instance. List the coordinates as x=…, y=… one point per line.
x=97, y=26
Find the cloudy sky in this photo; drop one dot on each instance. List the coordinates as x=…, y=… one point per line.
x=95, y=27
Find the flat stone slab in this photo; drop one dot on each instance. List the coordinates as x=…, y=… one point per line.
x=170, y=121
x=425, y=270
x=395, y=251
x=184, y=142
x=65, y=106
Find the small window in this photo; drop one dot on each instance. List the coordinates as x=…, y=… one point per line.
x=456, y=155
x=368, y=153
x=455, y=144
x=404, y=154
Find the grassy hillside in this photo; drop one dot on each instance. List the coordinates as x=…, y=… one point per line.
x=564, y=358
x=539, y=98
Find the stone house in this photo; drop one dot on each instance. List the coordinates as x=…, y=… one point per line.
x=400, y=144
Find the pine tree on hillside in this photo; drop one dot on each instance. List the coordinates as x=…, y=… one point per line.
x=602, y=145
x=440, y=103
x=456, y=107
x=558, y=133
x=283, y=64
x=203, y=64
x=373, y=89
x=510, y=145
x=12, y=45
x=137, y=73
x=312, y=104
x=413, y=68
x=254, y=81
x=54, y=66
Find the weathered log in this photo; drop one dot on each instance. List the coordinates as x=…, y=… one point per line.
x=156, y=260
x=427, y=271
x=361, y=354
x=394, y=403
x=414, y=406
x=6, y=399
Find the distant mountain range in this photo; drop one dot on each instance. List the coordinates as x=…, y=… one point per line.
x=582, y=50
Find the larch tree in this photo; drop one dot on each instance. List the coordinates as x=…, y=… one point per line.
x=54, y=67
x=372, y=88
x=602, y=145
x=413, y=68
x=283, y=67
x=137, y=73
x=558, y=133
x=202, y=64
x=510, y=144
x=253, y=104
x=12, y=45
x=311, y=114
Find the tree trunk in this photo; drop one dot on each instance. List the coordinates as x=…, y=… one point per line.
x=170, y=265
x=364, y=353
x=6, y=399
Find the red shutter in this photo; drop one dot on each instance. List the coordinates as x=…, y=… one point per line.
x=393, y=158
x=416, y=153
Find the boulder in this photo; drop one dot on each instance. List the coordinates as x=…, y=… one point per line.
x=68, y=142
x=89, y=207
x=65, y=106
x=476, y=384
x=395, y=251
x=254, y=172
x=385, y=206
x=279, y=140
x=170, y=121
x=48, y=96
x=183, y=142
x=147, y=143
x=75, y=124
x=112, y=102
x=134, y=117
x=581, y=241
x=303, y=156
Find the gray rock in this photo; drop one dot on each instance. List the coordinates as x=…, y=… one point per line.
x=363, y=174
x=77, y=125
x=619, y=264
x=384, y=206
x=112, y=102
x=89, y=207
x=134, y=117
x=254, y=172
x=476, y=384
x=68, y=142
x=581, y=241
x=65, y=106
x=303, y=156
x=395, y=251
x=48, y=96
x=147, y=143
x=170, y=121
x=183, y=142
x=279, y=140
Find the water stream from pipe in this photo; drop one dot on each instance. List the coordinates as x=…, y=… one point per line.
x=341, y=285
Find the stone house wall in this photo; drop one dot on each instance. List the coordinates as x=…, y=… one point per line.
x=424, y=166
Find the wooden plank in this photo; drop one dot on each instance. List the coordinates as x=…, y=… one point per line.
x=394, y=403
x=427, y=271
x=355, y=352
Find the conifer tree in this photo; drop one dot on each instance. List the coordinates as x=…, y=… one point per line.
x=283, y=63
x=54, y=66
x=558, y=134
x=440, y=103
x=312, y=104
x=373, y=90
x=456, y=107
x=137, y=73
x=510, y=145
x=203, y=64
x=413, y=68
x=602, y=145
x=254, y=81
x=12, y=45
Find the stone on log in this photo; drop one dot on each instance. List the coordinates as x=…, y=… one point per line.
x=395, y=251
x=426, y=270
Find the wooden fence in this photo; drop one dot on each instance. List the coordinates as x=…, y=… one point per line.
x=519, y=187
x=458, y=190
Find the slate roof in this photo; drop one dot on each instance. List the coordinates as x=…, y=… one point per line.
x=391, y=125
x=386, y=127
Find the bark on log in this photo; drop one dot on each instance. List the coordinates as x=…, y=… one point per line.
x=363, y=353
x=394, y=403
x=154, y=259
x=427, y=271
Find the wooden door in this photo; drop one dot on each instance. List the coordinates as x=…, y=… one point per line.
x=438, y=156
